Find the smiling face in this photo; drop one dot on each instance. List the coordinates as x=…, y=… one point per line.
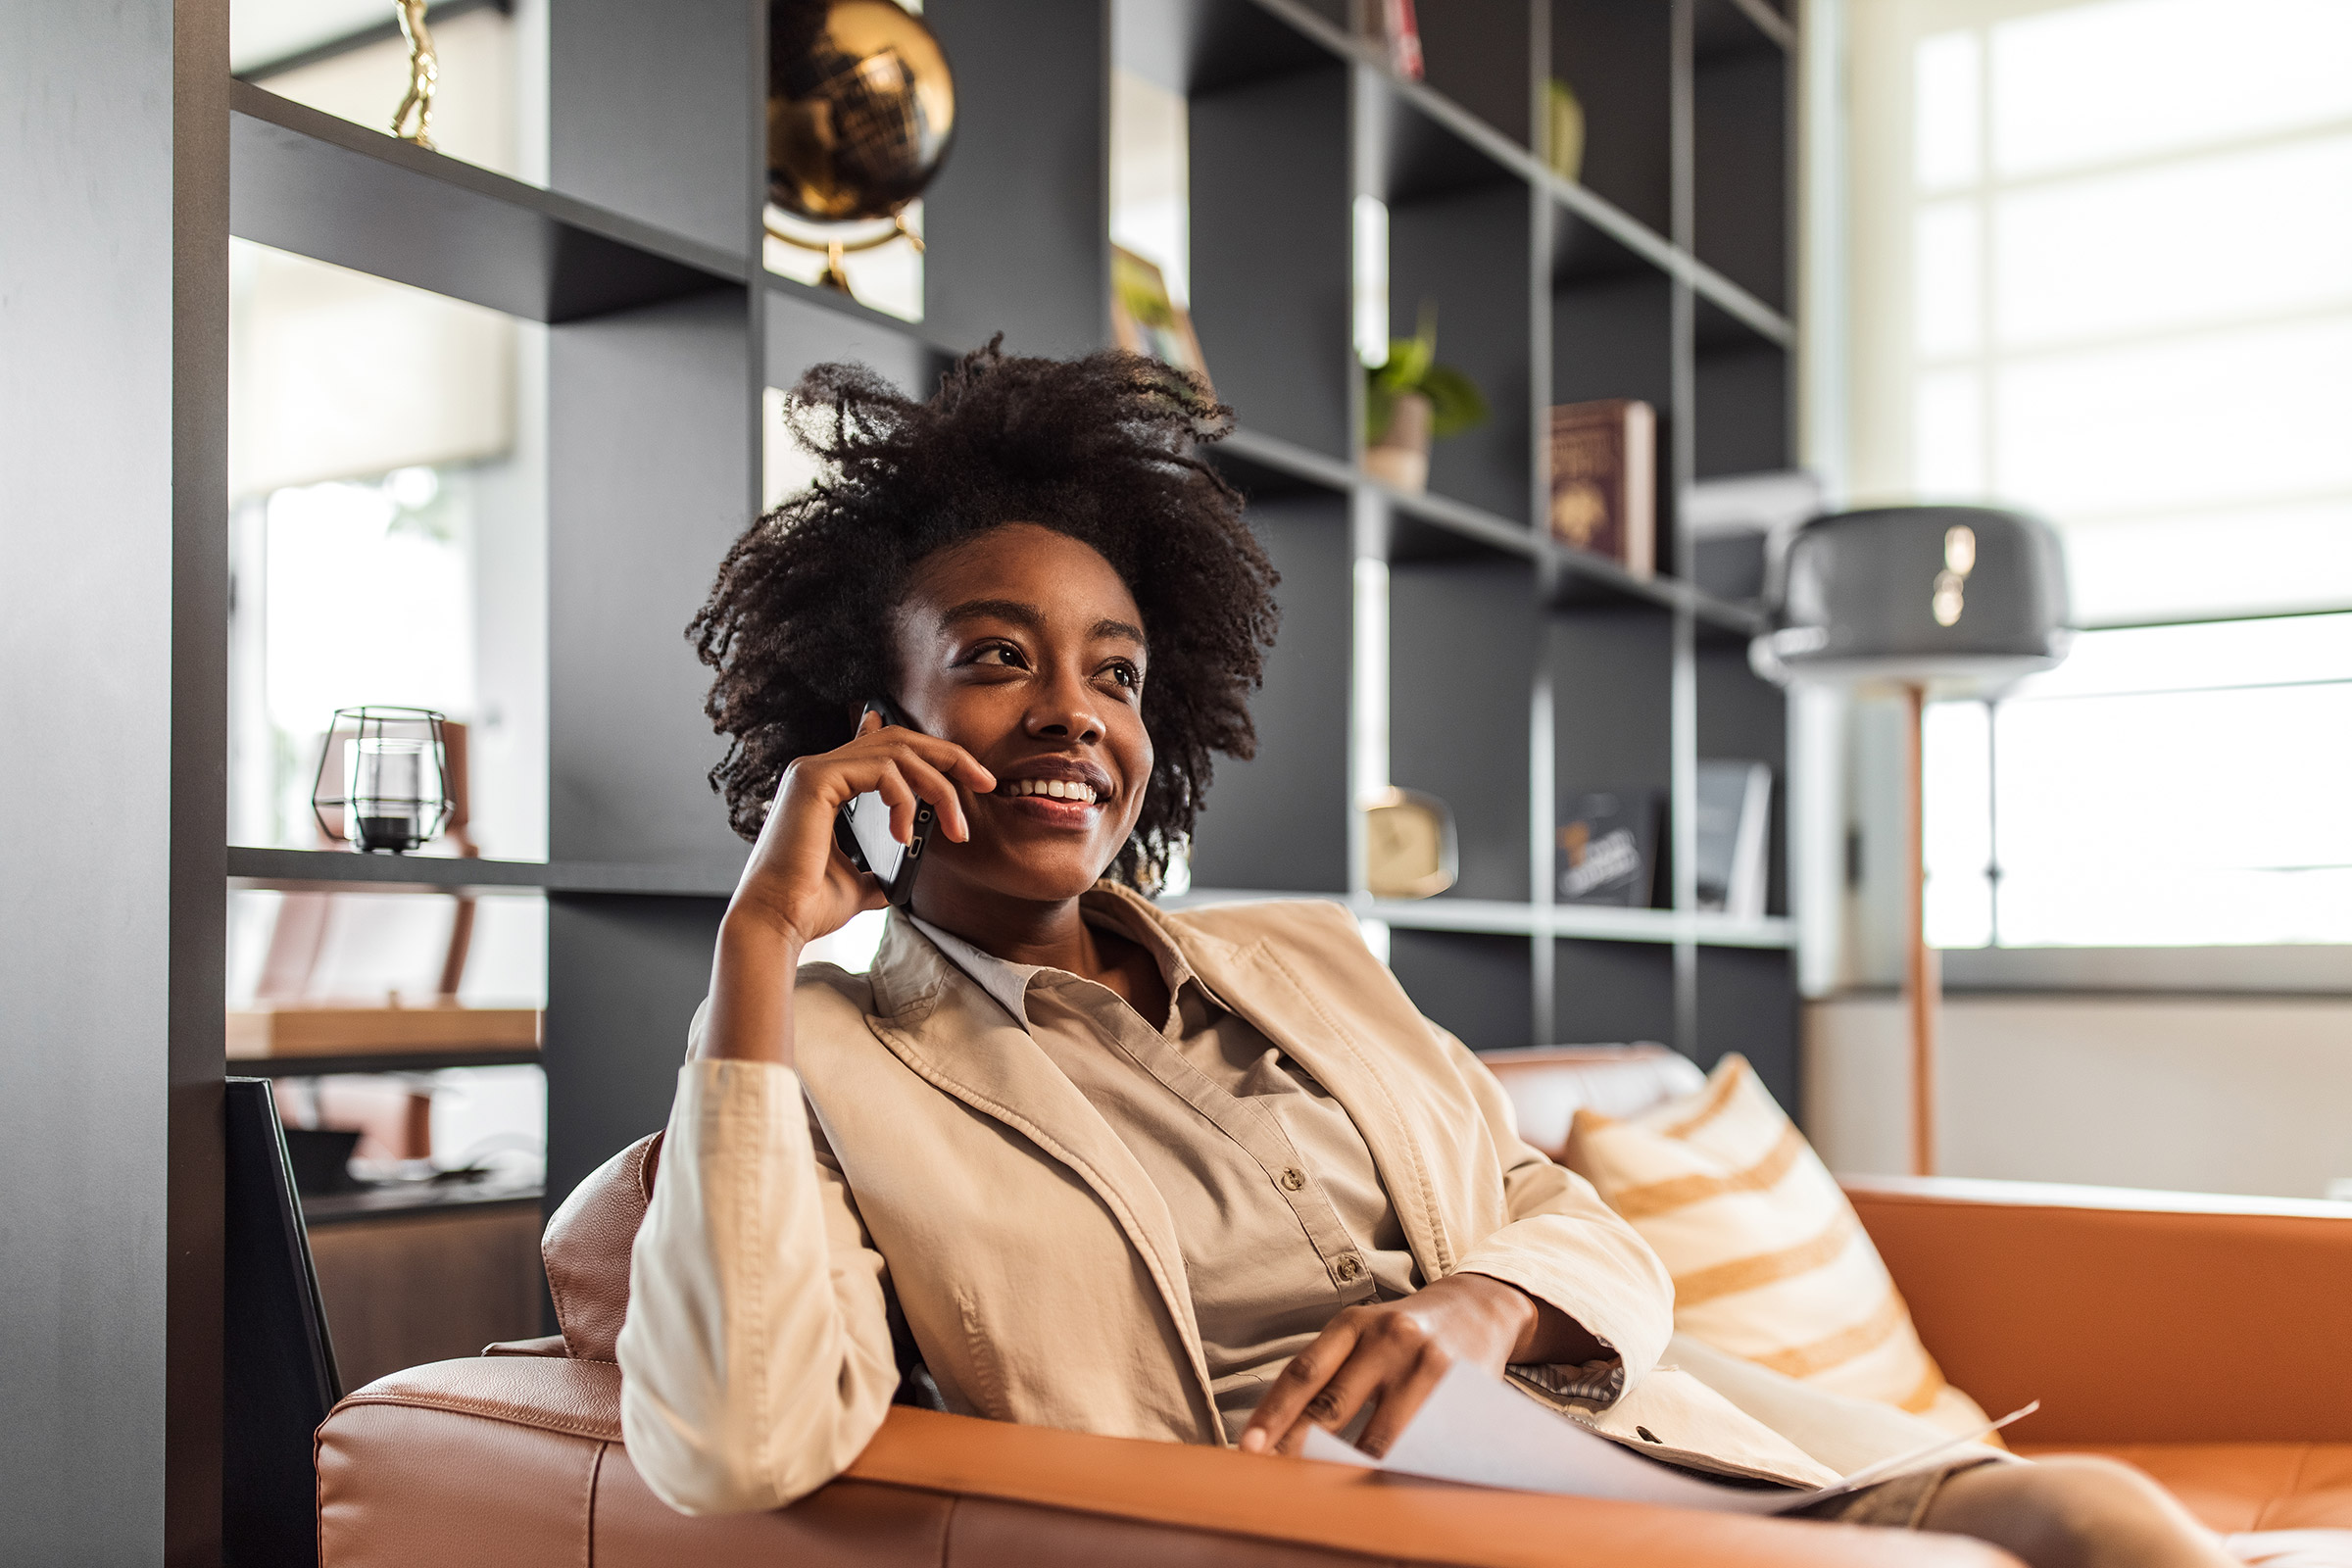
x=1022, y=646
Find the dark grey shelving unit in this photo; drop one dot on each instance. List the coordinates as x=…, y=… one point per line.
x=1510, y=667
x=1440, y=642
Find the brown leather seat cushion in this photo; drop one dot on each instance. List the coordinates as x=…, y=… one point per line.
x=2244, y=1485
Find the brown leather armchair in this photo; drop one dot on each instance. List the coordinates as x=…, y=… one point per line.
x=2200, y=1339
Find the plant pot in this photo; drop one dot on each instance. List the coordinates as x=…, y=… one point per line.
x=1402, y=459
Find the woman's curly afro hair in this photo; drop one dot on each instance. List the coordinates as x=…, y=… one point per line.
x=799, y=626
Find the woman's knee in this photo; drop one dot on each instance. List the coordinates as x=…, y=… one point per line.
x=2074, y=1511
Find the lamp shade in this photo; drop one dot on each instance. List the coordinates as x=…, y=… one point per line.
x=1959, y=599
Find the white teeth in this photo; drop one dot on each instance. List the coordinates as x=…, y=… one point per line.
x=1053, y=788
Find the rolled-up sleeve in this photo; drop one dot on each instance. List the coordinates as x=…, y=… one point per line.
x=755, y=1357
x=1569, y=1249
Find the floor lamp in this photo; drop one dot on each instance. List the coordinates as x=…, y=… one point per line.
x=1927, y=601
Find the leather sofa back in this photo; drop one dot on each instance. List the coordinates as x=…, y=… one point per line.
x=586, y=1250
x=587, y=1242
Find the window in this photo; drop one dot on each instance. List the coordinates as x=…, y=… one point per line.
x=2111, y=249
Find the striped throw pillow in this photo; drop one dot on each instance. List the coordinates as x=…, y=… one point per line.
x=1769, y=1262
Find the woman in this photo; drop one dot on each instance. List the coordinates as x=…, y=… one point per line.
x=1207, y=1177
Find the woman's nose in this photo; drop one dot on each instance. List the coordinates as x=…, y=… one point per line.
x=1065, y=711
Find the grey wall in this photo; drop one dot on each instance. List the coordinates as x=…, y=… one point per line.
x=114, y=304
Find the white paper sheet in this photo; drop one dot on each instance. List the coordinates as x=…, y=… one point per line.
x=1477, y=1429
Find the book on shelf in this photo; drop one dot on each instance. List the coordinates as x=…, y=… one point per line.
x=1605, y=466
x=1607, y=847
x=1735, y=836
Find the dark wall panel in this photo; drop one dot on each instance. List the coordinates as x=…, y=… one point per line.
x=1476, y=53
x=1463, y=639
x=623, y=978
x=648, y=486
x=1617, y=59
x=801, y=333
x=1280, y=821
x=655, y=111
x=1272, y=253
x=1611, y=684
x=1612, y=993
x=1740, y=164
x=1018, y=222
x=1743, y=411
x=1476, y=986
x=1469, y=253
x=1747, y=1002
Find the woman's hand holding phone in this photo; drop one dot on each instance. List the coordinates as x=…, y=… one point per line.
x=798, y=885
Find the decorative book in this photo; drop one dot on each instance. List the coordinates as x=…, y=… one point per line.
x=1604, y=464
x=1609, y=848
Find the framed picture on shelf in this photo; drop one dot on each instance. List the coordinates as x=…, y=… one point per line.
x=1143, y=320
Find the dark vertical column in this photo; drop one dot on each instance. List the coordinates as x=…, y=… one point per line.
x=1018, y=224
x=113, y=437
x=652, y=470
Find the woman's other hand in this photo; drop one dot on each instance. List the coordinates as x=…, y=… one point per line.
x=799, y=886
x=1389, y=1356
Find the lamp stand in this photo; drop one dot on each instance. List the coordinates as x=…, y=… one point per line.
x=1922, y=979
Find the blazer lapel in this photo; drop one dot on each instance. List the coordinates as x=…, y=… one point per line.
x=949, y=1032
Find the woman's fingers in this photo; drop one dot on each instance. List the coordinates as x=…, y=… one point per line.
x=1385, y=1354
x=1401, y=1400
x=899, y=795
x=1299, y=1382
x=935, y=786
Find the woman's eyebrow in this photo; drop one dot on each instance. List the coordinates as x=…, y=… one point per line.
x=1119, y=629
x=1026, y=617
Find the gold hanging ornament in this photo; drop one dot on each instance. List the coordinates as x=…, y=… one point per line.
x=861, y=110
x=424, y=72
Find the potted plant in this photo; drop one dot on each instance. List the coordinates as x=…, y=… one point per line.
x=1413, y=400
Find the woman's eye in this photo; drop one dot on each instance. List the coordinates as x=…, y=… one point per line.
x=1127, y=675
x=1004, y=655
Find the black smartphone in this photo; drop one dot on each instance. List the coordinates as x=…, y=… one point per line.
x=862, y=827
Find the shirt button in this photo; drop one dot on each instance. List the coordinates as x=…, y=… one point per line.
x=1293, y=1178
x=1350, y=1268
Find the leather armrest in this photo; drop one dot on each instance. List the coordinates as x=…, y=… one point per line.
x=951, y=1489
x=2134, y=1316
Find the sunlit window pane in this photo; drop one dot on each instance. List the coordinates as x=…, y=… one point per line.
x=2223, y=653
x=1948, y=279
x=1958, y=772
x=2126, y=78
x=2246, y=560
x=1947, y=434
x=2214, y=419
x=1946, y=127
x=2207, y=240
x=2128, y=786
x=2152, y=908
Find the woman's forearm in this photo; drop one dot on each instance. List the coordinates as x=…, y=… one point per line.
x=752, y=973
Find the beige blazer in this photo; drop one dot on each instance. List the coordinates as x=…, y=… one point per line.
x=944, y=1180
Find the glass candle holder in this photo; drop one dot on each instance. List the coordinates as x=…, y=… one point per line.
x=394, y=777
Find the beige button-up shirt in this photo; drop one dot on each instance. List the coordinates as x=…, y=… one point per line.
x=1279, y=1211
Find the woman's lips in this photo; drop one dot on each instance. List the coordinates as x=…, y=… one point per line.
x=1046, y=810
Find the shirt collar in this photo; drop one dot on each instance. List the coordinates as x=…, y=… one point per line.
x=1009, y=983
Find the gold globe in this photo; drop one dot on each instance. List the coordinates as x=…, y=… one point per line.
x=860, y=108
